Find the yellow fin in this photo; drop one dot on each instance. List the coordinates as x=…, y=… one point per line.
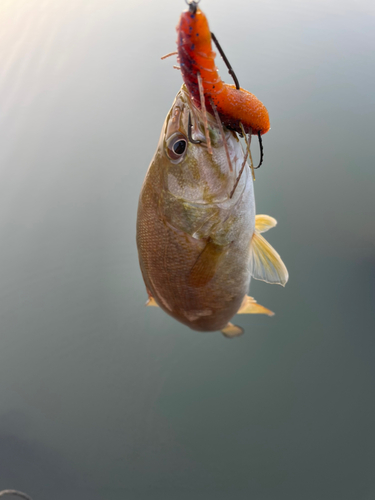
x=265, y=263
x=249, y=306
x=264, y=222
x=206, y=265
x=231, y=331
x=151, y=302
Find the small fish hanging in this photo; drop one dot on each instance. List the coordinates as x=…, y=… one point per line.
x=198, y=237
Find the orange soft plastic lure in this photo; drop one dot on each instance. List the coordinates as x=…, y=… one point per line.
x=235, y=106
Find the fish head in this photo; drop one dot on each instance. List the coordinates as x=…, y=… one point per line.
x=189, y=171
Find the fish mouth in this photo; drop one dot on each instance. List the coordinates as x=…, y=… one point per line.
x=197, y=175
x=187, y=119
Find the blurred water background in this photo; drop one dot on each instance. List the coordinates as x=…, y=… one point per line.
x=103, y=399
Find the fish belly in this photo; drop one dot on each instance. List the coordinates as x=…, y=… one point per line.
x=167, y=257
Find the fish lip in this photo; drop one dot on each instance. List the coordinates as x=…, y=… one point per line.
x=198, y=114
x=178, y=118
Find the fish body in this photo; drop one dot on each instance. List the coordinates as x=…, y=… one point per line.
x=193, y=239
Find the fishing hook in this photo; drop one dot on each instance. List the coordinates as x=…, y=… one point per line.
x=225, y=59
x=261, y=149
x=190, y=137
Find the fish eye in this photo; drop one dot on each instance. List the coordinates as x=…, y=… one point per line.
x=176, y=147
x=179, y=147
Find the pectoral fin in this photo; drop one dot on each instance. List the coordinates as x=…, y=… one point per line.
x=249, y=306
x=264, y=222
x=231, y=331
x=265, y=263
x=206, y=265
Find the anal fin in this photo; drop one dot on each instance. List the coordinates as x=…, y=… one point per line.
x=231, y=331
x=151, y=302
x=249, y=306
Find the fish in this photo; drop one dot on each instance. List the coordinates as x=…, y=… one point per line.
x=234, y=104
x=199, y=239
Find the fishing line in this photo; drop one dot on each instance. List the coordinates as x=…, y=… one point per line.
x=192, y=5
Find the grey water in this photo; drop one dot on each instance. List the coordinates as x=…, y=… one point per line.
x=103, y=399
